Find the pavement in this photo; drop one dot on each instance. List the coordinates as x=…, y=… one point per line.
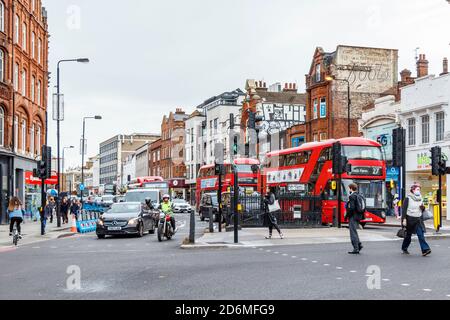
x=256, y=236
x=145, y=269
x=31, y=232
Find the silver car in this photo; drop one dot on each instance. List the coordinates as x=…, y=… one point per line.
x=181, y=206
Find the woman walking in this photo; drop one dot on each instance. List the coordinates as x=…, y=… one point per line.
x=15, y=215
x=271, y=206
x=412, y=212
x=46, y=213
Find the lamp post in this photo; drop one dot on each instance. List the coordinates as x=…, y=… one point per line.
x=331, y=78
x=63, y=157
x=58, y=120
x=83, y=151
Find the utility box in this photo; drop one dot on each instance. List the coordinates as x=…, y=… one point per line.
x=297, y=212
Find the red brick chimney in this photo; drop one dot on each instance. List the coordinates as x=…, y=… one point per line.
x=290, y=87
x=444, y=67
x=422, y=66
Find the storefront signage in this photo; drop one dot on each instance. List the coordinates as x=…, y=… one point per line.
x=292, y=175
x=31, y=180
x=367, y=171
x=383, y=135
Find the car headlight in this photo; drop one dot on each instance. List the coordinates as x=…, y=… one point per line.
x=133, y=222
x=100, y=222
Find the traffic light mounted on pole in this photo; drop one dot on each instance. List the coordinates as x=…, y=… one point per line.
x=438, y=164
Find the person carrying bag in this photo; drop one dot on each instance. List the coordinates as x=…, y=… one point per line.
x=271, y=207
x=414, y=214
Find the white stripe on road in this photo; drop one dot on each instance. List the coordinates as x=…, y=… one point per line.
x=353, y=271
x=326, y=265
x=314, y=261
x=427, y=290
x=386, y=280
x=339, y=268
x=285, y=254
x=405, y=284
x=293, y=257
x=304, y=259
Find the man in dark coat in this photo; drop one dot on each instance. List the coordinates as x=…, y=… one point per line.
x=354, y=218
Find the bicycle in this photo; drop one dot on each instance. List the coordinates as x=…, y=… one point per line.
x=15, y=235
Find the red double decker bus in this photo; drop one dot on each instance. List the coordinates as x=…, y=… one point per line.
x=208, y=182
x=308, y=170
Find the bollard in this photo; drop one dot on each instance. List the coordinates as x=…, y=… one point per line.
x=211, y=219
x=192, y=228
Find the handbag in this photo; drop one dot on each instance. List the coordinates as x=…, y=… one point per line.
x=401, y=233
x=274, y=207
x=427, y=215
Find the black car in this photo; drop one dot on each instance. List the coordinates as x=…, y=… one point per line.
x=127, y=218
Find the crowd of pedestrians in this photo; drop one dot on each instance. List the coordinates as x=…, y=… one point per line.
x=66, y=206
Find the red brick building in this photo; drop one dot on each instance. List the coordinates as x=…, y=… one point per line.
x=154, y=151
x=368, y=72
x=23, y=91
x=172, y=164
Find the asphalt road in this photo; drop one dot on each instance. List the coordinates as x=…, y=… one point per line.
x=143, y=268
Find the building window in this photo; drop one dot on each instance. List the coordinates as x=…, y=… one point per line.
x=192, y=153
x=24, y=36
x=33, y=83
x=440, y=126
x=39, y=98
x=315, y=109
x=24, y=83
x=16, y=29
x=426, y=129
x=16, y=77
x=38, y=140
x=32, y=140
x=215, y=125
x=323, y=107
x=2, y=65
x=323, y=136
x=315, y=137
x=2, y=127
x=2, y=16
x=33, y=45
x=24, y=136
x=39, y=50
x=411, y=132
x=16, y=133
x=318, y=76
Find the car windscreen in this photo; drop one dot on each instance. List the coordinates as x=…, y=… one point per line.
x=179, y=201
x=140, y=196
x=125, y=208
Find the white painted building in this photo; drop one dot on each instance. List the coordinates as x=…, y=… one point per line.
x=128, y=169
x=425, y=116
x=142, y=161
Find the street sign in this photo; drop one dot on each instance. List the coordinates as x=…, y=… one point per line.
x=81, y=187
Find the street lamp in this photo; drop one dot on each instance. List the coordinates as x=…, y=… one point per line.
x=58, y=120
x=331, y=78
x=83, y=151
x=63, y=157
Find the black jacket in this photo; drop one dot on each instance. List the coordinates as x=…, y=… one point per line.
x=269, y=217
x=352, y=204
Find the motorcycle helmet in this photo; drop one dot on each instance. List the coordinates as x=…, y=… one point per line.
x=166, y=196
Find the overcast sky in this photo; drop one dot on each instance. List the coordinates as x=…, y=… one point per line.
x=149, y=57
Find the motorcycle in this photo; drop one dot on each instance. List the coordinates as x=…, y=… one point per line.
x=165, y=228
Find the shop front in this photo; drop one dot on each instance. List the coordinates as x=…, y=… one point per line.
x=178, y=188
x=419, y=170
x=5, y=185
x=33, y=187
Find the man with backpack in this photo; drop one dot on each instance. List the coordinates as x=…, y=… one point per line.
x=356, y=207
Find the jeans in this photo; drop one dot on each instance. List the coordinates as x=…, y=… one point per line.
x=43, y=224
x=353, y=226
x=421, y=235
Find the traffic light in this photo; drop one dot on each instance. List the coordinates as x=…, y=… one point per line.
x=436, y=159
x=253, y=119
x=236, y=145
x=398, y=147
x=46, y=163
x=339, y=161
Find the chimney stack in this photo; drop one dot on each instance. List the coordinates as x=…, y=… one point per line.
x=422, y=66
x=444, y=67
x=290, y=87
x=405, y=76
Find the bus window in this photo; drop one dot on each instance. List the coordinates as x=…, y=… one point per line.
x=303, y=157
x=325, y=155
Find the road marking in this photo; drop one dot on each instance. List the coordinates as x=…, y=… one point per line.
x=276, y=252
x=268, y=250
x=261, y=249
x=314, y=261
x=326, y=265
x=353, y=271
x=339, y=278
x=427, y=290
x=285, y=254
x=386, y=280
x=339, y=268
x=304, y=259
x=293, y=257
x=405, y=284
x=448, y=296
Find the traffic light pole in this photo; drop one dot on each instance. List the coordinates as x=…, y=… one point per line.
x=219, y=198
x=339, y=195
x=235, y=204
x=439, y=195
